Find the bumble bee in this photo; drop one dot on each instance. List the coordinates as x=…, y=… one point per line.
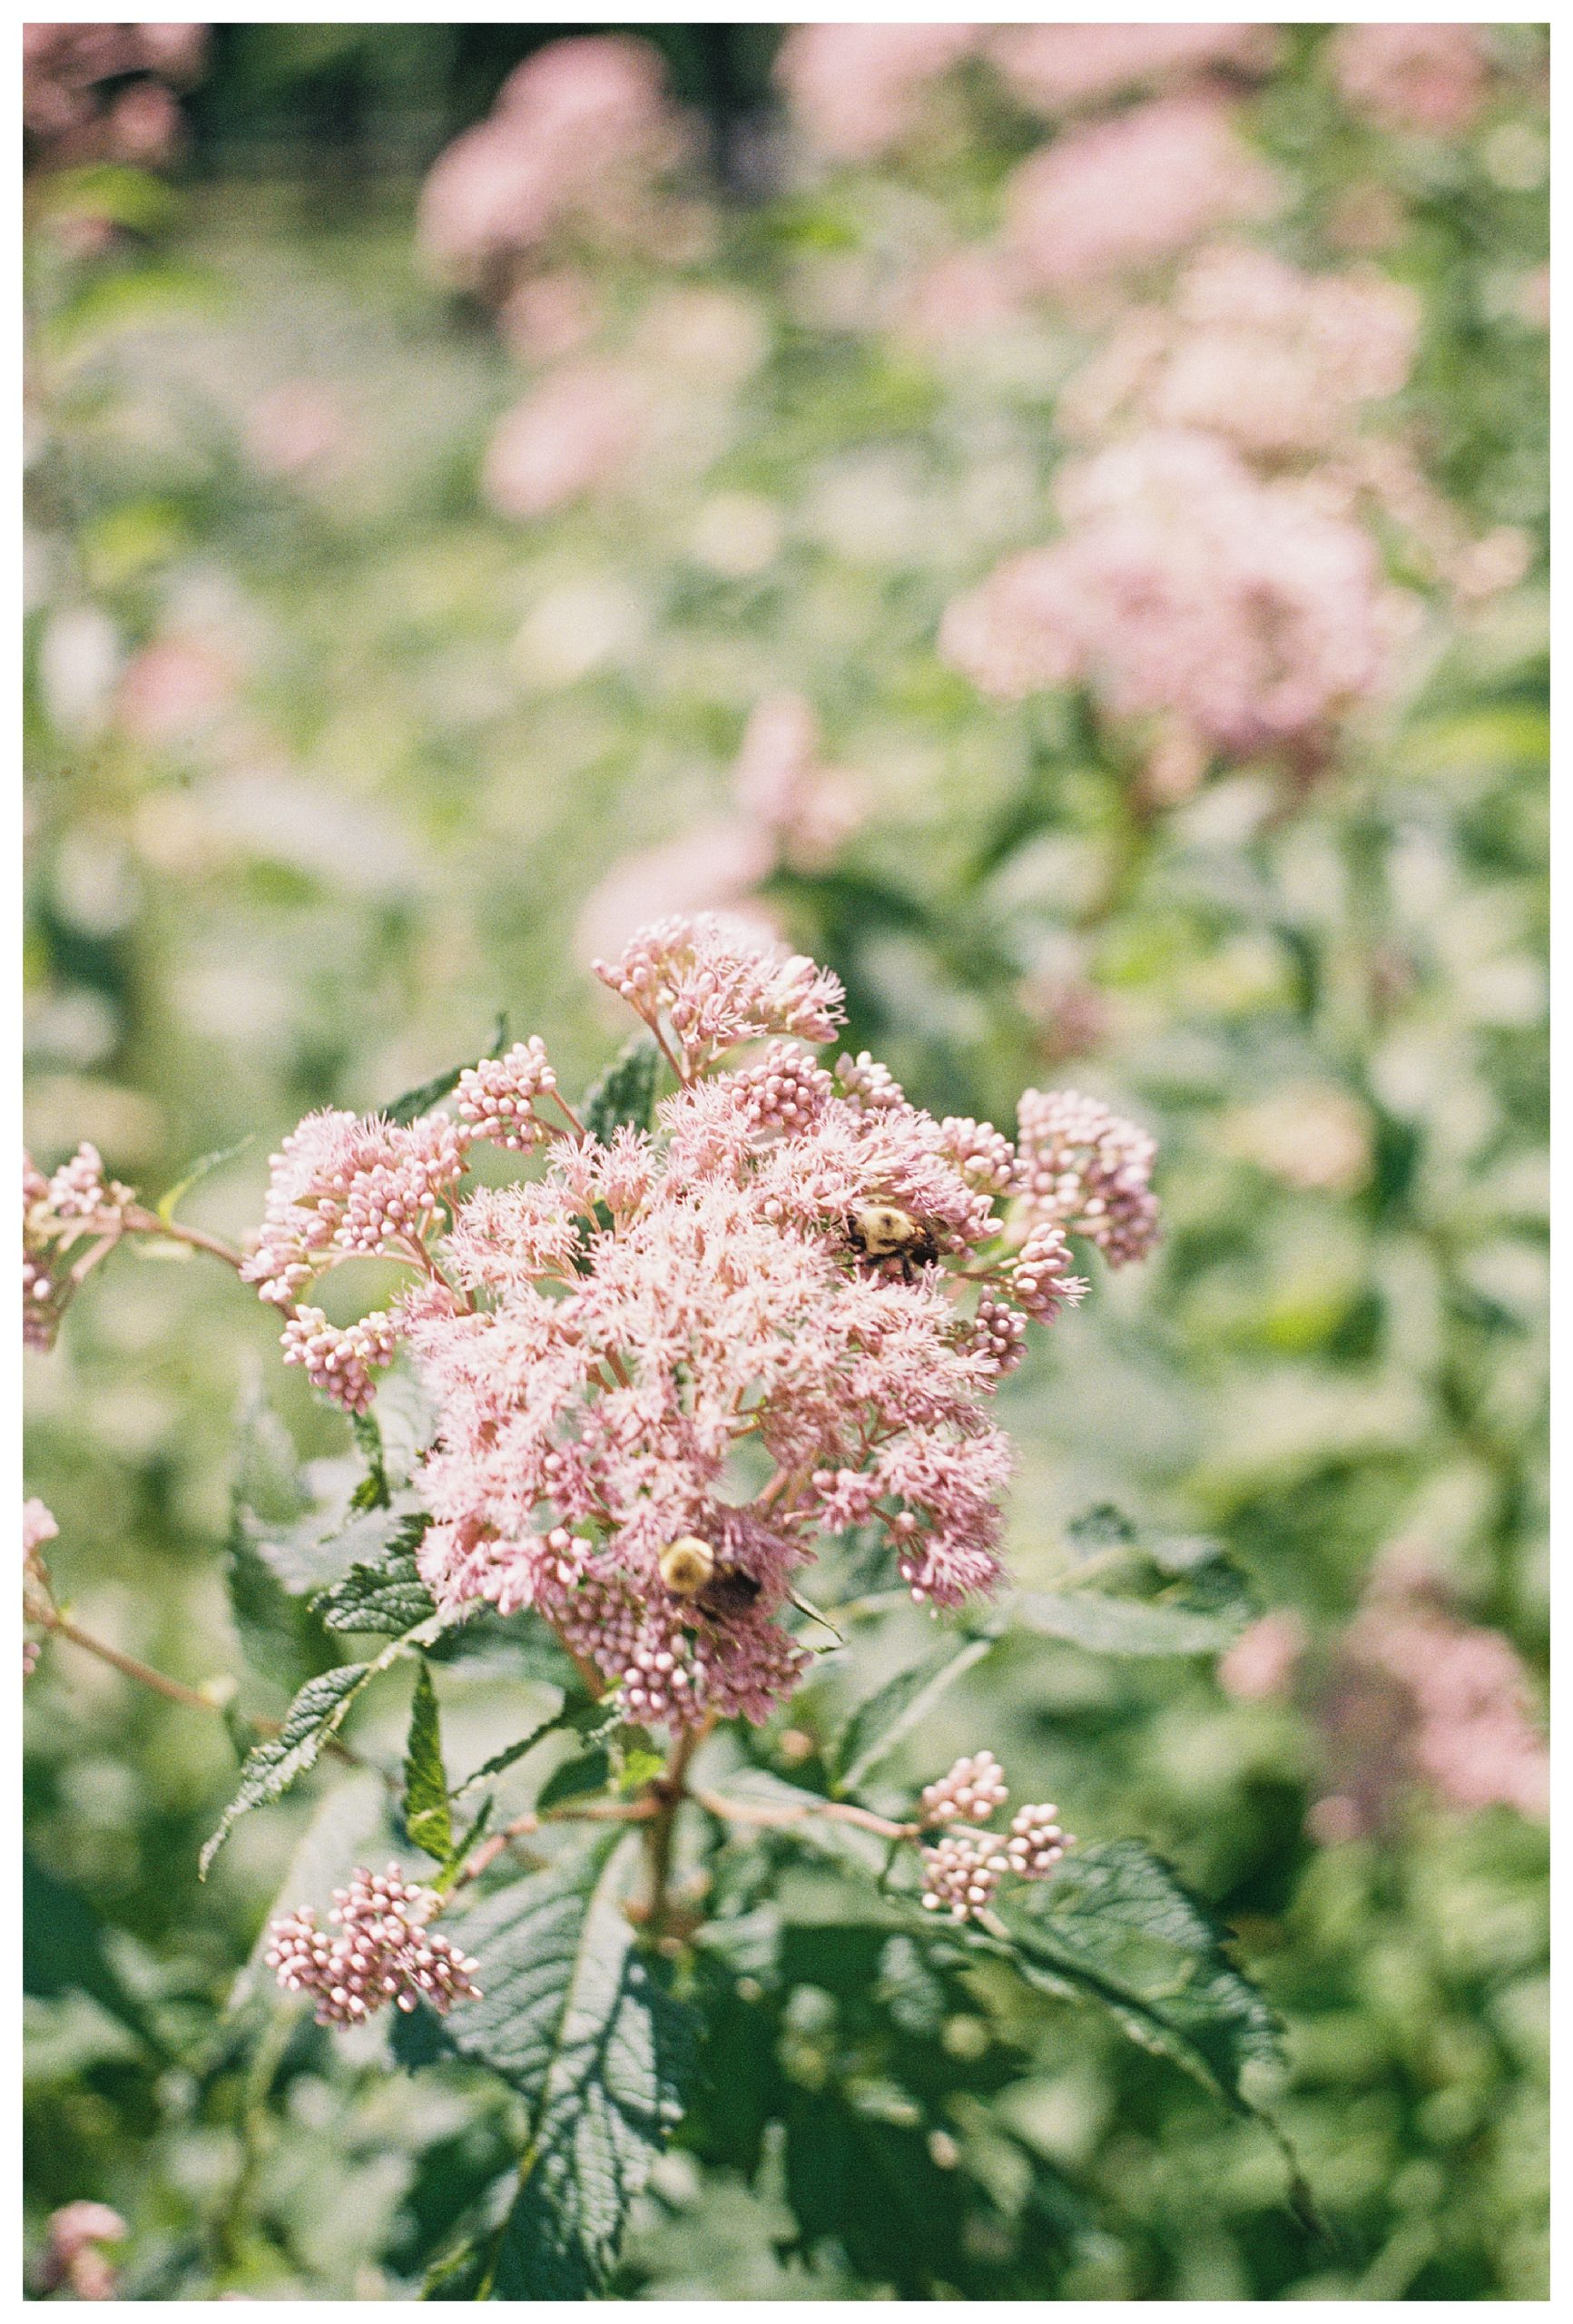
x=690, y=1571
x=881, y=1233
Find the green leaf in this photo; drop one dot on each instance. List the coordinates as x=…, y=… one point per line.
x=386, y=1596
x=311, y=1723
x=580, y=2022
x=879, y=1723
x=427, y=1817
x=426, y=1094
x=201, y=1169
x=575, y=1778
x=626, y=1093
x=1106, y=1625
x=63, y=1951
x=372, y=1492
x=283, y=1637
x=1115, y=1926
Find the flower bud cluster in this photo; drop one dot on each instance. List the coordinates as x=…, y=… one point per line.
x=76, y=1205
x=339, y=1363
x=384, y=1951
x=963, y=1869
x=496, y=1098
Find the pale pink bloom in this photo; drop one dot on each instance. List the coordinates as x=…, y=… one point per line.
x=1434, y=77
x=600, y=1339
x=962, y=294
x=1062, y=68
x=712, y=992
x=78, y=1205
x=1184, y=587
x=712, y=869
x=858, y=90
x=1279, y=362
x=80, y=103
x=1313, y=1137
x=497, y=1099
x=577, y=431
x=962, y=1873
x=296, y=425
x=1260, y=1666
x=784, y=787
x=1085, y=1170
x=384, y=1951
x=344, y=1186
x=1036, y=1842
x=72, y=2260
x=580, y=133
x=1123, y=196
x=38, y=1526
x=551, y=315
x=173, y=690
x=969, y=1794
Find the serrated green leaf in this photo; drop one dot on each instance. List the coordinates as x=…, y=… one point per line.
x=1107, y=1625
x=426, y=1094
x=624, y=1096
x=580, y=2022
x=427, y=1817
x=310, y=1724
x=1116, y=1925
x=386, y=1596
x=879, y=1723
x=372, y=1492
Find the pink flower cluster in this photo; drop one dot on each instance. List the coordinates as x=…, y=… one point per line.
x=1433, y=77
x=1277, y=362
x=1452, y=1702
x=578, y=430
x=962, y=1869
x=858, y=90
x=385, y=1950
x=792, y=808
x=1186, y=589
x=577, y=140
x=1066, y=68
x=1122, y=196
x=105, y=93
x=72, y=2260
x=77, y=1208
x=799, y=1276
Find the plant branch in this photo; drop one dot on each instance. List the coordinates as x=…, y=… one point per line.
x=839, y=1811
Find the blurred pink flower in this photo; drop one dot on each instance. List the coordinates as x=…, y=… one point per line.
x=579, y=430
x=1432, y=77
x=1260, y=1666
x=1419, y=1696
x=172, y=689
x=786, y=790
x=962, y=294
x=1120, y=196
x=580, y=133
x=294, y=427
x=80, y=103
x=1060, y=68
x=1183, y=585
x=72, y=2258
x=857, y=90
x=550, y=315
x=1279, y=362
x=713, y=868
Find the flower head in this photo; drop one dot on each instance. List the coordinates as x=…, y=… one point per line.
x=384, y=1951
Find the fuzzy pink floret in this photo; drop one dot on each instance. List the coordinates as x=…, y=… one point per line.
x=713, y=987
x=1085, y=1170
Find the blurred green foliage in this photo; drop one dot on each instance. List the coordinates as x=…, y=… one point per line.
x=422, y=735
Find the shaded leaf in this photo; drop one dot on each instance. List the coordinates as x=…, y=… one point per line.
x=581, y=2022
x=591, y=1771
x=204, y=1167
x=1107, y=1625
x=372, y=1492
x=427, y=1817
x=880, y=1722
x=63, y=1951
x=626, y=1093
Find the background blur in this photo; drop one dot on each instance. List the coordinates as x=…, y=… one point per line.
x=410, y=554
